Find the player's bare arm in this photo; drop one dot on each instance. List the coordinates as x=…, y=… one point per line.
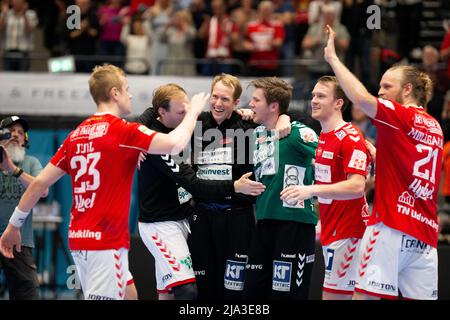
x=175, y=141
x=352, y=188
x=352, y=87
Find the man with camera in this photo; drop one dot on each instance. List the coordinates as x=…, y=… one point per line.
x=17, y=171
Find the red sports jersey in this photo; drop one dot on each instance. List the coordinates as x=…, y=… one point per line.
x=101, y=155
x=339, y=153
x=408, y=170
x=262, y=35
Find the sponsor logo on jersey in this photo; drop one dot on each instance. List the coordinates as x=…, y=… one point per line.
x=310, y=258
x=92, y=296
x=421, y=121
x=322, y=172
x=281, y=280
x=187, y=261
x=215, y=172
x=83, y=203
x=90, y=131
x=406, y=198
x=330, y=258
x=183, y=195
x=382, y=286
x=286, y=255
x=166, y=277
x=293, y=176
x=268, y=167
x=340, y=134
x=327, y=155
x=308, y=135
x=85, y=234
x=218, y=155
x=263, y=152
x=411, y=212
x=254, y=266
x=413, y=245
x=145, y=130
x=358, y=160
x=234, y=275
x=420, y=191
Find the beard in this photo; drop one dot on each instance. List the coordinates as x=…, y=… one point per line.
x=15, y=152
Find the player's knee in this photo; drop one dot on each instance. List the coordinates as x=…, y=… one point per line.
x=185, y=292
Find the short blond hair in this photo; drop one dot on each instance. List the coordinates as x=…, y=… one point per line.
x=103, y=79
x=229, y=81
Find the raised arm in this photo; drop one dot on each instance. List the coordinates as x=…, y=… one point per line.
x=352, y=87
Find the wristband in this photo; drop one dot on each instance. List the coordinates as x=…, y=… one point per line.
x=18, y=217
x=17, y=172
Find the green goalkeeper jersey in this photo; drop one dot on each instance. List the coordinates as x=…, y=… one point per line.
x=282, y=163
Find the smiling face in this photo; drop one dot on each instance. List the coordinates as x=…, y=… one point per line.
x=324, y=103
x=222, y=102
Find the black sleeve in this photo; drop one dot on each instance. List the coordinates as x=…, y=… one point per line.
x=183, y=174
x=148, y=117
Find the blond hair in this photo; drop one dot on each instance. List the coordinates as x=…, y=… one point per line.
x=229, y=81
x=420, y=81
x=103, y=79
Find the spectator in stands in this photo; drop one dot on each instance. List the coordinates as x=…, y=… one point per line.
x=111, y=17
x=17, y=171
x=159, y=16
x=315, y=9
x=315, y=40
x=285, y=12
x=179, y=35
x=264, y=39
x=217, y=34
x=83, y=41
x=360, y=120
x=136, y=37
x=200, y=12
x=445, y=51
x=241, y=17
x=430, y=65
x=17, y=25
x=354, y=18
x=408, y=14
x=54, y=27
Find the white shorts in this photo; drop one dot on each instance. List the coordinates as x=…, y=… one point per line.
x=103, y=274
x=341, y=263
x=391, y=261
x=167, y=243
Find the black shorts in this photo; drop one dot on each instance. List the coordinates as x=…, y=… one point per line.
x=219, y=243
x=280, y=260
x=21, y=275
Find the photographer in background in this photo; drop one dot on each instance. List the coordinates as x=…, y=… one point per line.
x=17, y=172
